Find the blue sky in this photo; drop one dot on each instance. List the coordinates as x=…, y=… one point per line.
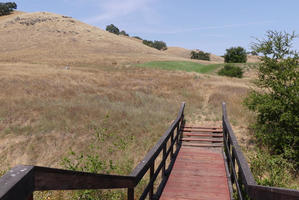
x=209, y=25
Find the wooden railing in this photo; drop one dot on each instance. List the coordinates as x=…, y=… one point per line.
x=241, y=176
x=20, y=182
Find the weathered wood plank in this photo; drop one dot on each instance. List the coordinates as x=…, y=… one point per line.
x=17, y=183
x=197, y=175
x=203, y=134
x=203, y=139
x=59, y=179
x=201, y=130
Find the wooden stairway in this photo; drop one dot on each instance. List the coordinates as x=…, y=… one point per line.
x=197, y=136
x=199, y=172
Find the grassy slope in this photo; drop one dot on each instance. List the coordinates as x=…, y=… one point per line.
x=48, y=109
x=182, y=66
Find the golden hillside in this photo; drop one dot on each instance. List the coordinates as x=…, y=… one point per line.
x=50, y=38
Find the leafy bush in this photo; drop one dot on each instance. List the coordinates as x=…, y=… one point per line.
x=200, y=55
x=235, y=55
x=7, y=8
x=271, y=170
x=231, y=71
x=112, y=29
x=123, y=33
x=160, y=45
x=277, y=101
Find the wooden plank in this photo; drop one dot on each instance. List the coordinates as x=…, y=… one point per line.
x=197, y=175
x=202, y=145
x=17, y=183
x=202, y=127
x=201, y=130
x=59, y=179
x=202, y=139
x=203, y=134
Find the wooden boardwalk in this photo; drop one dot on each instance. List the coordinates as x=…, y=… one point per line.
x=199, y=171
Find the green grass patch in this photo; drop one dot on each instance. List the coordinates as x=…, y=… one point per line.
x=182, y=66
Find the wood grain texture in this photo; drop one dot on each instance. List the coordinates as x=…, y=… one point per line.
x=198, y=173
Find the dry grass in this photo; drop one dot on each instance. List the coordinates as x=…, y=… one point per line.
x=46, y=110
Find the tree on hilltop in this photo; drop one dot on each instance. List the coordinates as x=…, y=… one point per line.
x=112, y=29
x=7, y=8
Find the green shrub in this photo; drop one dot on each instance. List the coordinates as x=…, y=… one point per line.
x=271, y=170
x=231, y=71
x=276, y=102
x=123, y=33
x=7, y=8
x=200, y=55
x=160, y=45
x=112, y=29
x=235, y=55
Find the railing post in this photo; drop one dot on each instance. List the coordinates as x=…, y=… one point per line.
x=178, y=133
x=233, y=166
x=171, y=141
x=130, y=193
x=152, y=171
x=164, y=162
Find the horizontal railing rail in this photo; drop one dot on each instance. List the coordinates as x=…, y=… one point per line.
x=21, y=181
x=241, y=176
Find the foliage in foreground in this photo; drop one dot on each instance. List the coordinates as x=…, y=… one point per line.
x=271, y=170
x=200, y=55
x=277, y=101
x=91, y=161
x=231, y=71
x=235, y=55
x=7, y=8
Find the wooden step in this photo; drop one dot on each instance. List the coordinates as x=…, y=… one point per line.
x=202, y=145
x=202, y=131
x=201, y=127
x=203, y=134
x=202, y=139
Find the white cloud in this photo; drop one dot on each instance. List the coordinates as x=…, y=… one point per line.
x=111, y=9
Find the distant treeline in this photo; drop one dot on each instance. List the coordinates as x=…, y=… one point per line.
x=160, y=45
x=200, y=55
x=7, y=8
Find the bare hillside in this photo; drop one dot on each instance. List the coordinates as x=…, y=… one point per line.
x=50, y=38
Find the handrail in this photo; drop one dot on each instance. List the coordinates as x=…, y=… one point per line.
x=241, y=176
x=21, y=181
x=153, y=153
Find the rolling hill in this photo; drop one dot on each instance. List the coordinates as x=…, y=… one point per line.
x=50, y=38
